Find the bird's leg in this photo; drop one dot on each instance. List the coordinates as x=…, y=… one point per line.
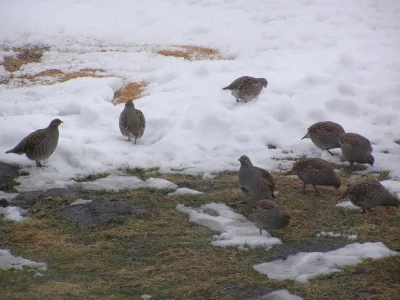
x=330, y=152
x=316, y=190
x=37, y=164
x=237, y=100
x=129, y=138
x=351, y=166
x=363, y=210
x=273, y=196
x=135, y=141
x=260, y=231
x=304, y=188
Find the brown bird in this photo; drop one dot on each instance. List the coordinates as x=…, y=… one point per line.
x=270, y=215
x=131, y=121
x=255, y=182
x=246, y=88
x=325, y=135
x=40, y=144
x=315, y=171
x=368, y=194
x=356, y=148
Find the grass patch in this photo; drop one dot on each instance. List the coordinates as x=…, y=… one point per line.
x=26, y=55
x=191, y=53
x=166, y=256
x=131, y=91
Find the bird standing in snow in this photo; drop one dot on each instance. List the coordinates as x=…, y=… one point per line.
x=132, y=122
x=368, y=194
x=269, y=214
x=325, y=135
x=356, y=148
x=315, y=171
x=255, y=182
x=40, y=144
x=246, y=88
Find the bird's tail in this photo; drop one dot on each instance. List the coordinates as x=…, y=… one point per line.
x=226, y=88
x=16, y=150
x=10, y=151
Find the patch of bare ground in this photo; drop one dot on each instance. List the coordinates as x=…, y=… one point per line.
x=130, y=91
x=26, y=55
x=192, y=53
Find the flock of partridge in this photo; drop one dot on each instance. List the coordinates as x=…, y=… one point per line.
x=256, y=182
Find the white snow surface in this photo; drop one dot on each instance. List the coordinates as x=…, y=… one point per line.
x=348, y=205
x=302, y=266
x=9, y=261
x=280, y=295
x=324, y=60
x=184, y=191
x=80, y=202
x=333, y=234
x=235, y=230
x=116, y=183
x=12, y=213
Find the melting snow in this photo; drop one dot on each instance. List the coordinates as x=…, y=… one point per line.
x=8, y=261
x=116, y=183
x=81, y=202
x=348, y=205
x=183, y=191
x=302, y=266
x=280, y=295
x=12, y=213
x=235, y=230
x=333, y=234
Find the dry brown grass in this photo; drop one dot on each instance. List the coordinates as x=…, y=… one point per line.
x=192, y=53
x=130, y=91
x=25, y=56
x=168, y=257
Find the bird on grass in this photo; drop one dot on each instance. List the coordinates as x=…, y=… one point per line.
x=255, y=182
x=356, y=149
x=369, y=194
x=246, y=88
x=315, y=171
x=132, y=122
x=325, y=135
x=270, y=215
x=40, y=144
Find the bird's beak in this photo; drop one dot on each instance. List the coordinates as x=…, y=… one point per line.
x=239, y=159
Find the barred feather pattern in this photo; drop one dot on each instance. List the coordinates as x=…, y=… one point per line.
x=255, y=182
x=246, y=88
x=368, y=194
x=325, y=135
x=269, y=214
x=355, y=148
x=132, y=122
x=316, y=171
x=40, y=144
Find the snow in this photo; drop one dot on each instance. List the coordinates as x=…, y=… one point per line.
x=116, y=183
x=184, y=191
x=80, y=202
x=393, y=186
x=303, y=266
x=12, y=213
x=323, y=61
x=333, y=234
x=8, y=196
x=235, y=230
x=145, y=297
x=8, y=261
x=280, y=295
x=347, y=205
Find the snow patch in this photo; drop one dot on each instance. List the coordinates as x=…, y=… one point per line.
x=303, y=266
x=280, y=295
x=81, y=202
x=235, y=230
x=348, y=205
x=12, y=213
x=116, y=183
x=9, y=261
x=333, y=234
x=183, y=191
